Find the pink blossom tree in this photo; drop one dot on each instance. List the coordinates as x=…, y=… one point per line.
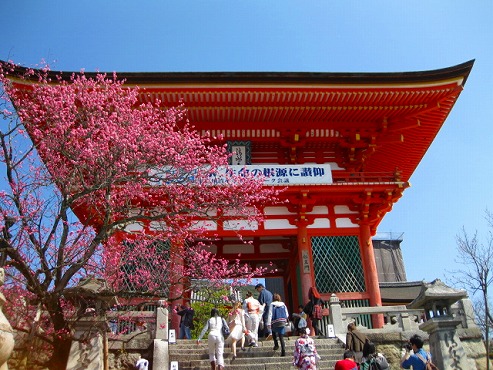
x=96, y=181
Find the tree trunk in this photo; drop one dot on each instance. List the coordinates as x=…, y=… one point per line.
x=61, y=350
x=62, y=340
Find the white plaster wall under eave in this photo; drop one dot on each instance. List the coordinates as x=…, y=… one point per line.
x=320, y=223
x=341, y=209
x=345, y=222
x=275, y=211
x=278, y=224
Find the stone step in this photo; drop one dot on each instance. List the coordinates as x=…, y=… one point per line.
x=259, y=365
x=193, y=356
x=190, y=343
x=249, y=352
x=246, y=356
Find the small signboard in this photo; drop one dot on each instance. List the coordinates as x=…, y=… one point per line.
x=172, y=336
x=306, y=262
x=330, y=331
x=174, y=365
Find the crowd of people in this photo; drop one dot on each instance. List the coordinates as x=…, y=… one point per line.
x=361, y=354
x=266, y=317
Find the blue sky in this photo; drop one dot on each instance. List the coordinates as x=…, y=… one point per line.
x=451, y=188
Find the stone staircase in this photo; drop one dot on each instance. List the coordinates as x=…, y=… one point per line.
x=191, y=356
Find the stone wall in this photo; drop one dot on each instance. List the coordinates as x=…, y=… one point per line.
x=124, y=353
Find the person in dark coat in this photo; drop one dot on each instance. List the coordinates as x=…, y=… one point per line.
x=186, y=322
x=265, y=299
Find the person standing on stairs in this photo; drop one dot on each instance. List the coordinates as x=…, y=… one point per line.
x=186, y=322
x=355, y=341
x=265, y=299
x=276, y=322
x=236, y=322
x=215, y=339
x=251, y=306
x=299, y=321
x=305, y=354
x=314, y=309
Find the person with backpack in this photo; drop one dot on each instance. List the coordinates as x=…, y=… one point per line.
x=314, y=309
x=276, y=322
x=419, y=359
x=316, y=316
x=373, y=360
x=355, y=341
x=305, y=354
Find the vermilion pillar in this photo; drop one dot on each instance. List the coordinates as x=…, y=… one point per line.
x=371, y=273
x=307, y=274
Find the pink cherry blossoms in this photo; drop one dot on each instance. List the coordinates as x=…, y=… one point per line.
x=89, y=167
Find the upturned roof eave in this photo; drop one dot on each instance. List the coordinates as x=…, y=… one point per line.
x=316, y=78
x=255, y=78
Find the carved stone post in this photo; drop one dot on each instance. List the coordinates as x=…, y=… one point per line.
x=162, y=323
x=335, y=315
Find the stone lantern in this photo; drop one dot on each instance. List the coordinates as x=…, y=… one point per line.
x=436, y=299
x=89, y=349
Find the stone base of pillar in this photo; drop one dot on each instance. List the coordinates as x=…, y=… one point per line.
x=160, y=359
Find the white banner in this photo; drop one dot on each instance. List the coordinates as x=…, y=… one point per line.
x=274, y=174
x=289, y=174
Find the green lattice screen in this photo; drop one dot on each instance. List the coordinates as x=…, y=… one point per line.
x=337, y=263
x=129, y=269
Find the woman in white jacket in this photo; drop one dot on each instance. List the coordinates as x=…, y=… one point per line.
x=215, y=339
x=277, y=320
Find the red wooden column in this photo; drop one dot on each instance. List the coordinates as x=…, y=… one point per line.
x=371, y=273
x=307, y=275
